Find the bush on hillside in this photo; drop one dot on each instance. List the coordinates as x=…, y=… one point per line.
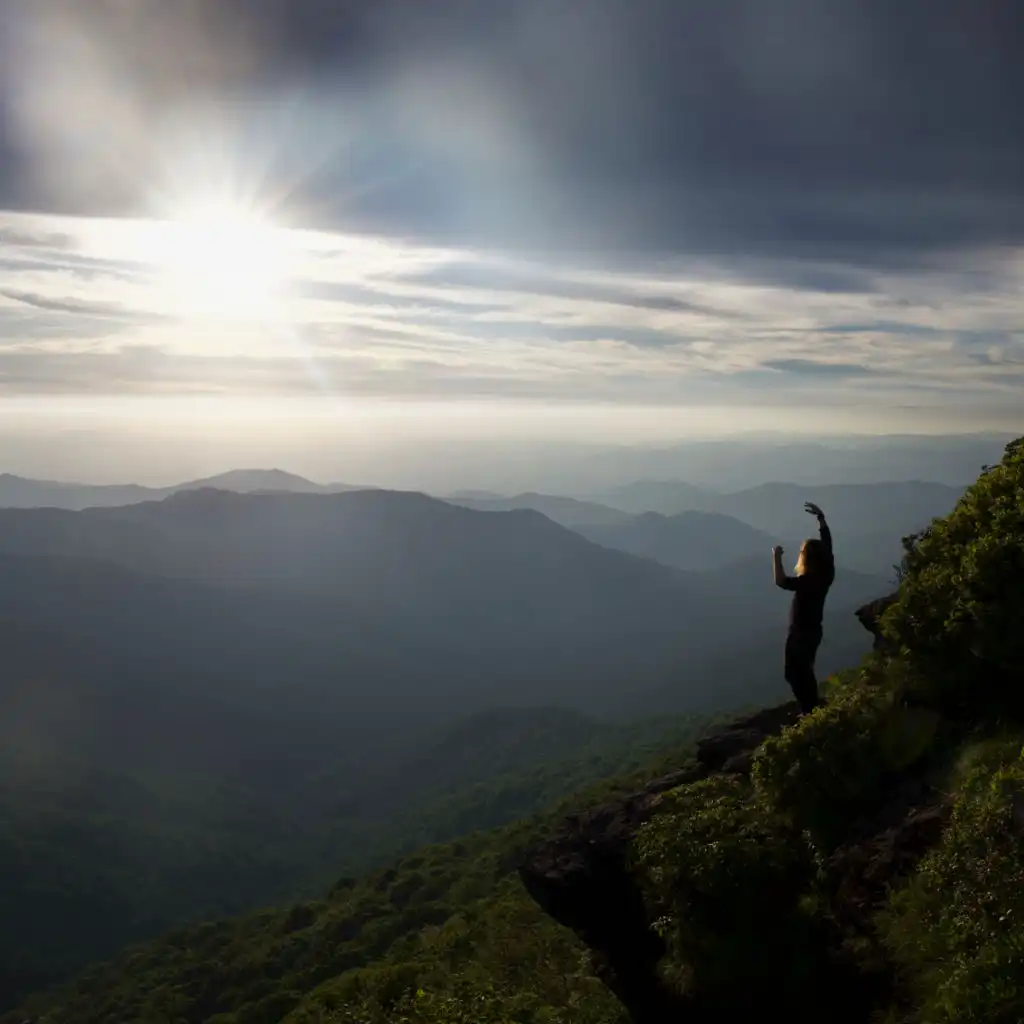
x=957, y=929
x=463, y=1003
x=725, y=877
x=957, y=620
x=497, y=962
x=831, y=767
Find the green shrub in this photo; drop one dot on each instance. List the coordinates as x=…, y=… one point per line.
x=500, y=960
x=462, y=1002
x=957, y=929
x=724, y=877
x=956, y=622
x=831, y=767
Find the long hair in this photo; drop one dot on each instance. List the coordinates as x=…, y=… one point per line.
x=811, y=559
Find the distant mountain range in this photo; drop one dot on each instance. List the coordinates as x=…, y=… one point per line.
x=21, y=492
x=695, y=529
x=669, y=497
x=571, y=512
x=778, y=507
x=467, y=603
x=405, y=601
x=671, y=522
x=690, y=540
x=244, y=621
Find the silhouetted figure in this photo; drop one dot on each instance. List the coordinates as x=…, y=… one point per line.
x=815, y=571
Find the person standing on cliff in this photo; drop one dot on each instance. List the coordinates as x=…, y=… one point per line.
x=815, y=572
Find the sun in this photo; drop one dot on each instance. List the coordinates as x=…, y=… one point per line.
x=219, y=260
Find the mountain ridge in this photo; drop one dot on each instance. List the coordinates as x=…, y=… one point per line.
x=26, y=492
x=567, y=511
x=893, y=509
x=691, y=540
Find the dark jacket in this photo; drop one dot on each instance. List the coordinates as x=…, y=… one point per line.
x=810, y=590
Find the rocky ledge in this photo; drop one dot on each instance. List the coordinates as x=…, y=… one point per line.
x=870, y=615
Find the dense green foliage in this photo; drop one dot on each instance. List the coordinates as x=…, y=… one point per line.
x=499, y=961
x=958, y=927
x=957, y=622
x=831, y=767
x=724, y=874
x=450, y=921
x=116, y=859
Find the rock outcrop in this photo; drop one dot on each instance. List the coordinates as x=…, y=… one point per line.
x=864, y=872
x=580, y=876
x=870, y=615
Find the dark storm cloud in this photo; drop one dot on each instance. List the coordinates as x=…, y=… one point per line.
x=863, y=130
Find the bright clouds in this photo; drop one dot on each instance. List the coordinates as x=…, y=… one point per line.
x=86, y=308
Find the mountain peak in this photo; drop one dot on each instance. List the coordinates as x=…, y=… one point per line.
x=243, y=480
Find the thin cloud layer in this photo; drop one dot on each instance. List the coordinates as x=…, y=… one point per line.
x=364, y=317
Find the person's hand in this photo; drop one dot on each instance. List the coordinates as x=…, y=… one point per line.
x=778, y=551
x=813, y=509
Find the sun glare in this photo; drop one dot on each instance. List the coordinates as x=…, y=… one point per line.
x=219, y=261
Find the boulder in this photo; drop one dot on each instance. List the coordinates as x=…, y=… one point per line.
x=869, y=616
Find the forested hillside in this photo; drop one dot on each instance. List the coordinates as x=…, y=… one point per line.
x=105, y=842
x=862, y=863
x=447, y=930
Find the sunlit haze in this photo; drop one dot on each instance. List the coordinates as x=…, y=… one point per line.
x=218, y=261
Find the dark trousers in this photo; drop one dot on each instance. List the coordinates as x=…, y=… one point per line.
x=801, y=648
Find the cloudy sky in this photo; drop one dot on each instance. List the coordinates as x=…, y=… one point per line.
x=641, y=217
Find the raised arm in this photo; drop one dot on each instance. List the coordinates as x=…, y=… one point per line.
x=778, y=573
x=823, y=531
